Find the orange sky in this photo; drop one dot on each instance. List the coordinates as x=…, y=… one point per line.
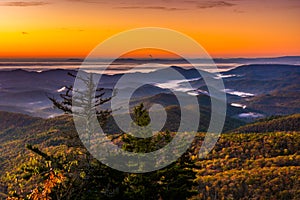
x=72, y=28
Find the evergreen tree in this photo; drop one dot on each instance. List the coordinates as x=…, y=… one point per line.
x=171, y=182
x=137, y=142
x=84, y=103
x=83, y=176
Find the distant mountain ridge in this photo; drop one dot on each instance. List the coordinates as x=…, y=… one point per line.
x=217, y=60
x=13, y=120
x=271, y=88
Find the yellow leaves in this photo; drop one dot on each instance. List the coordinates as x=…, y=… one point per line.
x=207, y=188
x=82, y=175
x=80, y=153
x=13, y=198
x=45, y=190
x=194, y=157
x=227, y=157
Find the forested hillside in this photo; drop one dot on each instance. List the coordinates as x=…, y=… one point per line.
x=271, y=124
x=55, y=164
x=251, y=166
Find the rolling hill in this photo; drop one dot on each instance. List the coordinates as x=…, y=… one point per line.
x=267, y=89
x=241, y=165
x=272, y=124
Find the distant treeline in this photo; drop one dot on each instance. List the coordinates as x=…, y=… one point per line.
x=272, y=124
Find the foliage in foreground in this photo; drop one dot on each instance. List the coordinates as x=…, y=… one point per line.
x=241, y=166
x=251, y=166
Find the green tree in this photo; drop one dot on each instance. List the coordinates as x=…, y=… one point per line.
x=172, y=182
x=137, y=142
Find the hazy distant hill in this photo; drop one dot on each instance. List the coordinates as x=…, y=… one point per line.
x=266, y=89
x=276, y=88
x=15, y=120
x=264, y=78
x=276, y=103
x=273, y=60
x=204, y=102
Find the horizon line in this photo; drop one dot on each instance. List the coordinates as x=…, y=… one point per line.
x=81, y=59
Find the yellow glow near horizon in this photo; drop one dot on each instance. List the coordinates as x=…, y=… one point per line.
x=150, y=53
x=71, y=28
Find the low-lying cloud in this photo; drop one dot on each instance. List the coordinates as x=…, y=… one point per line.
x=87, y=1
x=24, y=3
x=151, y=8
x=213, y=4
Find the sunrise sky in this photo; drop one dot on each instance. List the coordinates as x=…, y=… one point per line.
x=72, y=28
